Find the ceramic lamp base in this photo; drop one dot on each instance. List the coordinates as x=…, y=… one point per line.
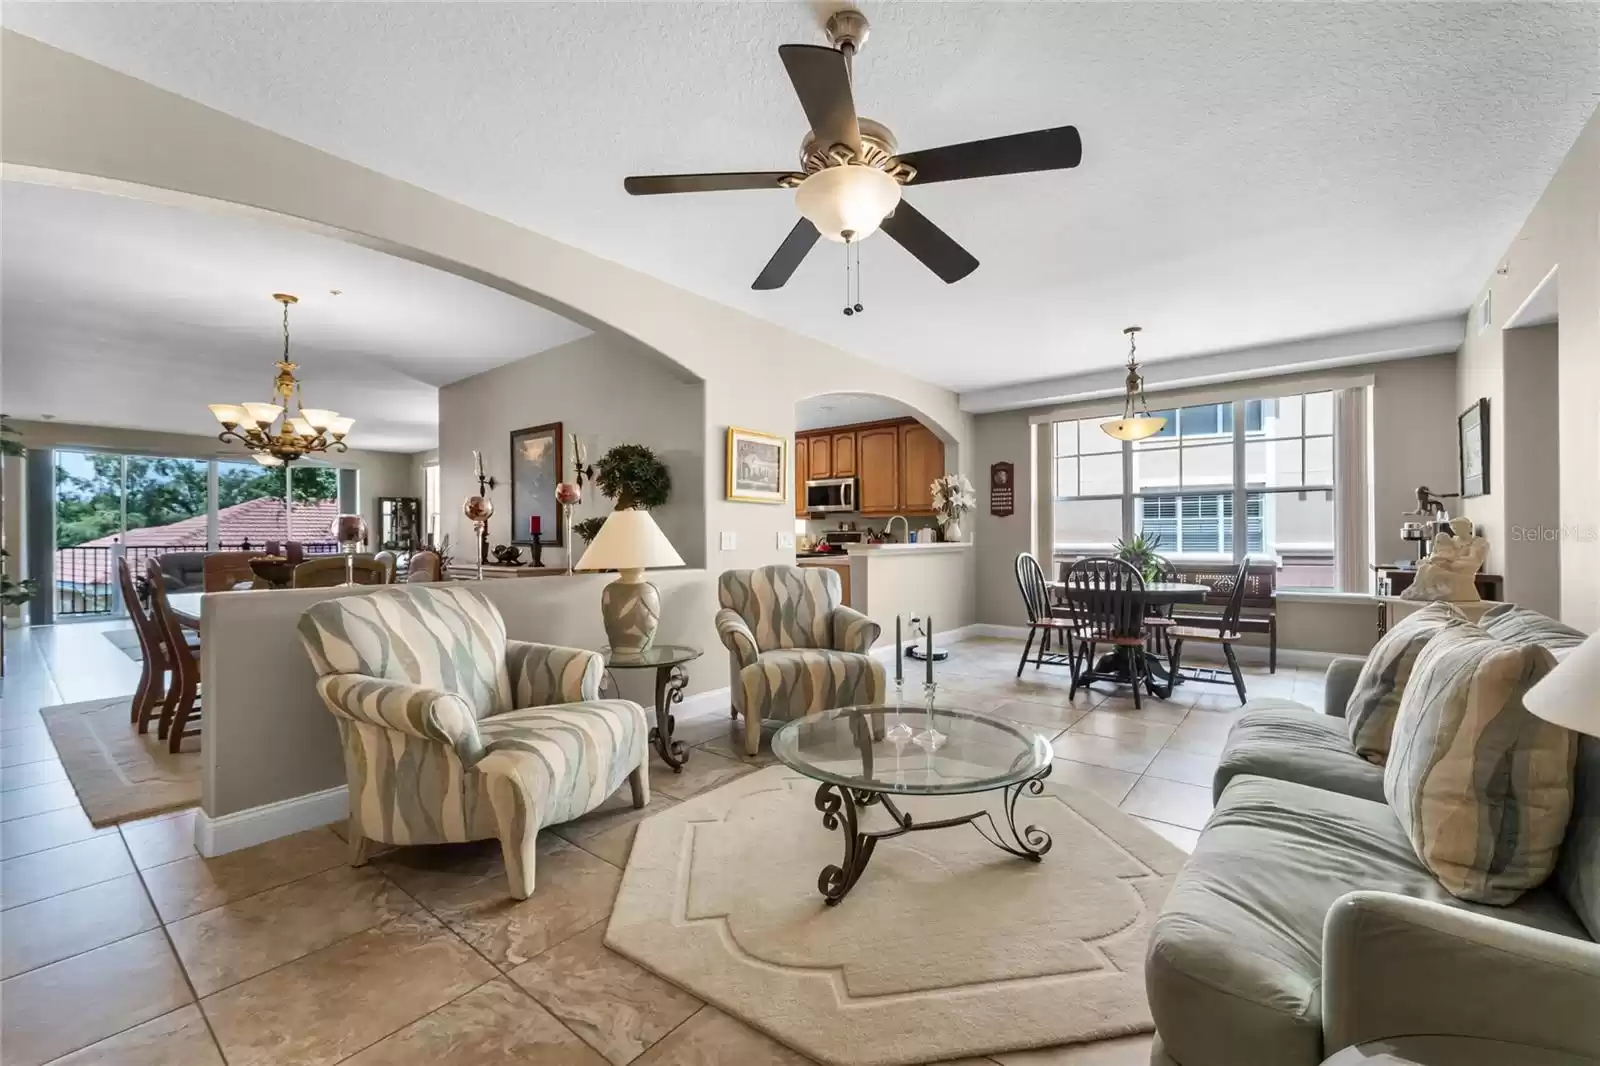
x=630, y=607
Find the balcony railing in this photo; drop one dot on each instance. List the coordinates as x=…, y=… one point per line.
x=86, y=576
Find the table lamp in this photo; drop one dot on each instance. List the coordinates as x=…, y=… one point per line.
x=1569, y=695
x=629, y=542
x=351, y=532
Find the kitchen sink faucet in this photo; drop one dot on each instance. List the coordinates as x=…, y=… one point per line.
x=903, y=521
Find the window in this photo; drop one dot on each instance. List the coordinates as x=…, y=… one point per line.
x=1271, y=457
x=430, y=503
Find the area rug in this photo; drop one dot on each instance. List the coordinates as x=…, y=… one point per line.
x=119, y=773
x=127, y=642
x=945, y=947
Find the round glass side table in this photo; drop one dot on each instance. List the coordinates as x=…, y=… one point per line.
x=667, y=661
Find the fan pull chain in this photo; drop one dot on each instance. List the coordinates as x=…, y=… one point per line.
x=852, y=307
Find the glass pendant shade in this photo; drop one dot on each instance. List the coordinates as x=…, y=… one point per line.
x=1136, y=428
x=229, y=413
x=302, y=427
x=851, y=199
x=318, y=418
x=340, y=426
x=267, y=460
x=262, y=413
x=1136, y=422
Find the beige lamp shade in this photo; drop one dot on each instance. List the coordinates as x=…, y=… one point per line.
x=1569, y=695
x=629, y=540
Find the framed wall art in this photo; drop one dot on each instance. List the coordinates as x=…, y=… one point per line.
x=1473, y=430
x=757, y=466
x=536, y=469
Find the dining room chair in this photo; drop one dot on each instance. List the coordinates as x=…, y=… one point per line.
x=391, y=564
x=1225, y=634
x=183, y=693
x=1106, y=605
x=424, y=566
x=226, y=571
x=329, y=572
x=1158, y=620
x=151, y=693
x=1043, y=620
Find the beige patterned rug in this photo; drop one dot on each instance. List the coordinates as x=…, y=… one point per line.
x=946, y=947
x=119, y=773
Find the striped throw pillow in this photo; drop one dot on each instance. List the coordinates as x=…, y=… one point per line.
x=1375, y=701
x=1481, y=786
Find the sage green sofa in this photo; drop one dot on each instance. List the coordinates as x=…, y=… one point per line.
x=1304, y=923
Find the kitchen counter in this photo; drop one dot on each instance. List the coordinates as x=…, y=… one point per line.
x=872, y=549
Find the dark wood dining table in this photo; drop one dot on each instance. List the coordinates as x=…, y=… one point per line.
x=1156, y=594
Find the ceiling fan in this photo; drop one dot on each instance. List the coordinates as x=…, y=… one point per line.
x=850, y=176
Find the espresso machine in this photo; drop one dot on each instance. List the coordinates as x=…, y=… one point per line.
x=1427, y=521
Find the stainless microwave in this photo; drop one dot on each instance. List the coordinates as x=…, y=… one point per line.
x=831, y=494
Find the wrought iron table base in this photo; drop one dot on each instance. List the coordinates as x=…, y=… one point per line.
x=838, y=806
x=670, y=683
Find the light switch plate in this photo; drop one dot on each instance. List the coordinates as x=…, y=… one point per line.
x=786, y=542
x=730, y=540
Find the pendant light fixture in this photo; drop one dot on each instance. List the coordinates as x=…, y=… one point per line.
x=1134, y=424
x=256, y=425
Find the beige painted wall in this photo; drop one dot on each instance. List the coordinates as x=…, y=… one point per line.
x=936, y=582
x=607, y=388
x=1562, y=234
x=1413, y=433
x=1532, y=549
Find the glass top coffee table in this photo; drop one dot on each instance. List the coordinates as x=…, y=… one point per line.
x=870, y=755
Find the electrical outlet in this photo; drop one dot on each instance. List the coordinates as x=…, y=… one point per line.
x=786, y=542
x=730, y=540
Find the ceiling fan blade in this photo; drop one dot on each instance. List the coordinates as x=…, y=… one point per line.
x=656, y=184
x=1020, y=153
x=822, y=81
x=781, y=267
x=937, y=250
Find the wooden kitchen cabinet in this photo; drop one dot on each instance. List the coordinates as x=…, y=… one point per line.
x=921, y=461
x=802, y=467
x=821, y=457
x=844, y=455
x=878, y=462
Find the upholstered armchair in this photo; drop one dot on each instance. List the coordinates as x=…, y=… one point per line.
x=793, y=649
x=451, y=732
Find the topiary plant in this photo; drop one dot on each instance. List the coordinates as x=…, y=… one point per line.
x=631, y=475
x=589, y=528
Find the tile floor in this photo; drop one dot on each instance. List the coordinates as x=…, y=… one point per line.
x=124, y=946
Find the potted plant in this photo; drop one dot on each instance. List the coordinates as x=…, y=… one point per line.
x=1142, y=552
x=632, y=476
x=952, y=498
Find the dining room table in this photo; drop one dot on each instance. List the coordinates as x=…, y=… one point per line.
x=1156, y=594
x=186, y=608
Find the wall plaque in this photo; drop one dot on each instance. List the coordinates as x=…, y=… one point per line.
x=1002, y=490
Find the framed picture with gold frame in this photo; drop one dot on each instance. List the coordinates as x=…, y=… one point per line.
x=757, y=466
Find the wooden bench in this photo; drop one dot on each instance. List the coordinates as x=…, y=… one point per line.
x=1260, y=611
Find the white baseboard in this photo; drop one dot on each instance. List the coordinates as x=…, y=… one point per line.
x=943, y=637
x=257, y=825
x=712, y=699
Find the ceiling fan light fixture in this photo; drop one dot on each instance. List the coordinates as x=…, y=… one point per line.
x=1136, y=422
x=849, y=199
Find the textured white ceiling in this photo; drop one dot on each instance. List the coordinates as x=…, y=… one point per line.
x=846, y=409
x=1252, y=172
x=127, y=313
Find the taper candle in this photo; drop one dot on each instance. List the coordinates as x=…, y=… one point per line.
x=534, y=525
x=928, y=623
x=899, y=649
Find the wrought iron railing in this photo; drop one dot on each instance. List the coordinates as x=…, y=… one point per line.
x=86, y=578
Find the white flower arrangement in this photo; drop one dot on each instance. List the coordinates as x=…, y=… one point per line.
x=953, y=497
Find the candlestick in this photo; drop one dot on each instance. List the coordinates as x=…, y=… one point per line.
x=899, y=649
x=928, y=625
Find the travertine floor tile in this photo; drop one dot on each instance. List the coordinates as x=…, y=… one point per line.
x=1048, y=718
x=1184, y=838
x=40, y=832
x=434, y=872
x=572, y=890
x=615, y=1006
x=729, y=744
x=197, y=884
x=59, y=927
x=1124, y=727
x=1187, y=767
x=493, y=1025
x=177, y=1039
x=31, y=774
x=37, y=799
x=1168, y=801
x=711, y=1038
x=162, y=839
x=1128, y=1051
x=616, y=811
x=1110, y=785
x=48, y=1012
x=1151, y=711
x=704, y=770
x=228, y=944
x=29, y=733
x=1126, y=755
x=26, y=750
x=49, y=873
x=1202, y=733
x=322, y=1008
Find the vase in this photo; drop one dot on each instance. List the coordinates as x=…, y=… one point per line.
x=950, y=530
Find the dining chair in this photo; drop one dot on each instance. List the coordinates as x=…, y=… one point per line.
x=1225, y=634
x=329, y=572
x=391, y=563
x=151, y=693
x=183, y=694
x=1043, y=622
x=424, y=566
x=226, y=571
x=1158, y=620
x=1106, y=605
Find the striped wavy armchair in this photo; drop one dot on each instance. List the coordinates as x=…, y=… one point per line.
x=452, y=732
x=795, y=650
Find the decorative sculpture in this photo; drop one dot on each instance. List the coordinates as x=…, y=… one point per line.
x=1449, y=570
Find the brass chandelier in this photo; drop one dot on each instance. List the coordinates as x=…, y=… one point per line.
x=257, y=426
x=1136, y=422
